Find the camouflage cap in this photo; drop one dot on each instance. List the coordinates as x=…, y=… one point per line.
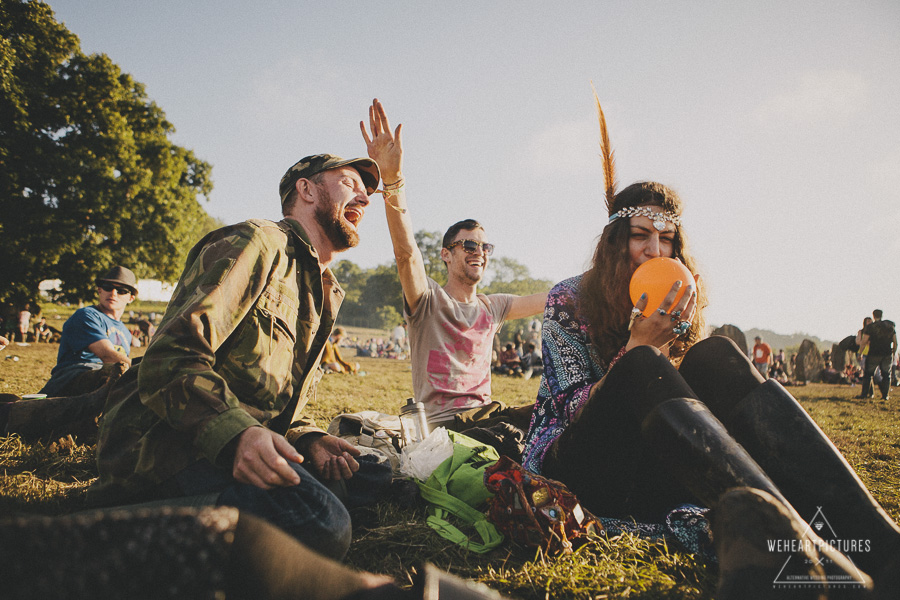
x=310, y=165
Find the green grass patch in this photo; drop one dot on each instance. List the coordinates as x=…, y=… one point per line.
x=51, y=479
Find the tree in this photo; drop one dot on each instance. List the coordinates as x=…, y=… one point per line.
x=382, y=289
x=353, y=280
x=508, y=276
x=512, y=277
x=89, y=176
x=386, y=317
x=430, y=244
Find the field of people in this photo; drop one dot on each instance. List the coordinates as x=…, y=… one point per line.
x=51, y=479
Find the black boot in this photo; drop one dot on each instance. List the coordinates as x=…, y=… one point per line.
x=756, y=536
x=813, y=475
x=704, y=457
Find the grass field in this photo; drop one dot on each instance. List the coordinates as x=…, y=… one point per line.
x=52, y=479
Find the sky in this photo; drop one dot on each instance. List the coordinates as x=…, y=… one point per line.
x=778, y=123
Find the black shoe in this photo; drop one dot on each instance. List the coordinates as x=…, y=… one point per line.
x=761, y=543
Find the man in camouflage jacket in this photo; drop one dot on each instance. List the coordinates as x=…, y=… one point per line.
x=204, y=415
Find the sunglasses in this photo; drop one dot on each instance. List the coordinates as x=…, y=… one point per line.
x=470, y=246
x=108, y=288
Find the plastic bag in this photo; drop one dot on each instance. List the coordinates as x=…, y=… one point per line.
x=421, y=459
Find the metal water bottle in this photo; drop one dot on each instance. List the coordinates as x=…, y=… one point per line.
x=413, y=423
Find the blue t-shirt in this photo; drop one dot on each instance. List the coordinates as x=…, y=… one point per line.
x=86, y=326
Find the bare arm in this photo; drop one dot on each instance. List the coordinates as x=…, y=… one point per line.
x=525, y=306
x=386, y=149
x=106, y=352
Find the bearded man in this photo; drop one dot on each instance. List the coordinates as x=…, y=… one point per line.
x=212, y=414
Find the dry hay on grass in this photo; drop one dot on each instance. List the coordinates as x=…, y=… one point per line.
x=47, y=479
x=50, y=479
x=623, y=566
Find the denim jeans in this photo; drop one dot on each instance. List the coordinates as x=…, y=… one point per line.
x=883, y=363
x=307, y=511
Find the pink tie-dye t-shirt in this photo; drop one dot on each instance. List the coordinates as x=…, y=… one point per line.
x=450, y=347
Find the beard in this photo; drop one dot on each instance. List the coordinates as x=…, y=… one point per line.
x=470, y=278
x=462, y=272
x=328, y=215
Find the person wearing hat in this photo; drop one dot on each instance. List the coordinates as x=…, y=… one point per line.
x=94, y=336
x=213, y=412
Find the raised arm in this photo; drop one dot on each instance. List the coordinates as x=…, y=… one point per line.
x=386, y=148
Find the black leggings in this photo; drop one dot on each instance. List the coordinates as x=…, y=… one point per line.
x=602, y=456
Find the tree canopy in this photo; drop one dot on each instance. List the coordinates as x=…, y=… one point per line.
x=88, y=175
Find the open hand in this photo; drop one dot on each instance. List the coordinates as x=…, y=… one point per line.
x=384, y=146
x=332, y=457
x=659, y=328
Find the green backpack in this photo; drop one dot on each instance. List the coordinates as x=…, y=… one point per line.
x=457, y=488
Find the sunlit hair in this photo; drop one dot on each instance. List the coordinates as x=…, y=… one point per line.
x=464, y=225
x=603, y=299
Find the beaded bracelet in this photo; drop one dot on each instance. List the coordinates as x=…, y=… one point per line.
x=616, y=359
x=390, y=190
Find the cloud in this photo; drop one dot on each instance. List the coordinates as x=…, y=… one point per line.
x=818, y=97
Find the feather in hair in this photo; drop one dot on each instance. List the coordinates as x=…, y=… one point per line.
x=608, y=156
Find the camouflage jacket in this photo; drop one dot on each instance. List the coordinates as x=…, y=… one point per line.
x=239, y=345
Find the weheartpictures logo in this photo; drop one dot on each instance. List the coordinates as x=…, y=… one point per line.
x=805, y=556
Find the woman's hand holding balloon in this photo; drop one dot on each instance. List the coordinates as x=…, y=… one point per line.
x=660, y=329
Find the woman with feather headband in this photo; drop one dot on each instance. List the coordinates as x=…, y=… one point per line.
x=642, y=419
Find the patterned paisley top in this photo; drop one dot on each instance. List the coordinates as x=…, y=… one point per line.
x=571, y=367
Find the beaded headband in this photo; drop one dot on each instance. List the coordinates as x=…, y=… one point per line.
x=659, y=218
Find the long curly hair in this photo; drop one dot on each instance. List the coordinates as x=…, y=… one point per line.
x=603, y=299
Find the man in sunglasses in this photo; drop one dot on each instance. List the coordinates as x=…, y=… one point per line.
x=94, y=336
x=451, y=328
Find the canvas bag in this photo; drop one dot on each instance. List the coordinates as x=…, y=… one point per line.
x=457, y=488
x=372, y=432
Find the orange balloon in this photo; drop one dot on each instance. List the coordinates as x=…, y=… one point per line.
x=656, y=278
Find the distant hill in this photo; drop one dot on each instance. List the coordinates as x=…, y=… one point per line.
x=784, y=342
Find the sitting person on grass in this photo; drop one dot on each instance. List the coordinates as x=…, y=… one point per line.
x=332, y=361
x=93, y=337
x=451, y=327
x=510, y=363
x=213, y=414
x=532, y=364
x=638, y=416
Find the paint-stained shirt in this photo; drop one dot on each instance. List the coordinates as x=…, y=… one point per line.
x=450, y=349
x=239, y=346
